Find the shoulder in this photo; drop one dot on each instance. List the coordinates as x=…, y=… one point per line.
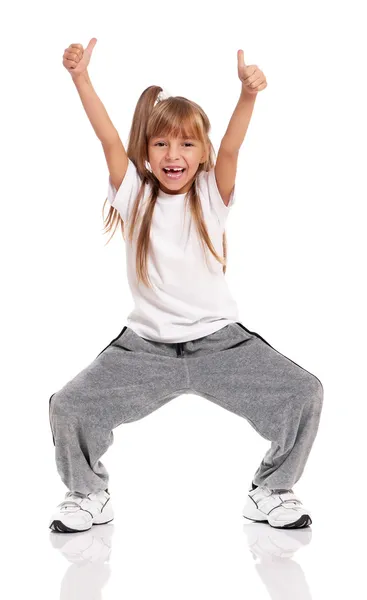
x=123, y=197
x=207, y=184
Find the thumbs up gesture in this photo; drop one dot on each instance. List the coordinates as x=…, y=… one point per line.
x=253, y=80
x=76, y=59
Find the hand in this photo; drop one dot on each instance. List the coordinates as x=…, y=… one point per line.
x=253, y=80
x=76, y=60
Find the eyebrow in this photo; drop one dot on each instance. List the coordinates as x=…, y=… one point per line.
x=188, y=137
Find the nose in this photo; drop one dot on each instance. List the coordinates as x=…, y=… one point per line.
x=173, y=153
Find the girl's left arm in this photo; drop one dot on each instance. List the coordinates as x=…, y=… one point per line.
x=253, y=80
x=239, y=122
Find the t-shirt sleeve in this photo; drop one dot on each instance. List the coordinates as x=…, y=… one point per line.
x=210, y=188
x=123, y=198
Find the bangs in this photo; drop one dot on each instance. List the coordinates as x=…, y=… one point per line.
x=176, y=130
x=175, y=119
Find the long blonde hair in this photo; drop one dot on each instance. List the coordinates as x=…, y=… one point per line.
x=176, y=116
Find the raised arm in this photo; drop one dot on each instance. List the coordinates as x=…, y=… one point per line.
x=76, y=61
x=253, y=80
x=96, y=112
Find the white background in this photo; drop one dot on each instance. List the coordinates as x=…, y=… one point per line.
x=296, y=266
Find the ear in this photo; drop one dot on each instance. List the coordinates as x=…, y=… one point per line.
x=205, y=156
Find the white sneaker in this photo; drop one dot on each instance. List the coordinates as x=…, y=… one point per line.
x=78, y=512
x=280, y=509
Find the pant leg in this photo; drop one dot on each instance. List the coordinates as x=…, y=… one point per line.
x=240, y=371
x=127, y=381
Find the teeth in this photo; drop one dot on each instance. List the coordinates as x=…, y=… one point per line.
x=172, y=169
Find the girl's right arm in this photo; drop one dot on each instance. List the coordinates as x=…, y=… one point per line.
x=76, y=61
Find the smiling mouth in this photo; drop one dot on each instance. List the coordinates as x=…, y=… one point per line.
x=173, y=173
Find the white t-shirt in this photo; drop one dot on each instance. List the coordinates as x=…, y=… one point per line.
x=188, y=300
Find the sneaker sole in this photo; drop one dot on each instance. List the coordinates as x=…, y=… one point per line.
x=60, y=527
x=303, y=521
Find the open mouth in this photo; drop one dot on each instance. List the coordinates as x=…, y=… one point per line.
x=173, y=173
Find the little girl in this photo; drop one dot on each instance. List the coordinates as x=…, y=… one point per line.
x=184, y=335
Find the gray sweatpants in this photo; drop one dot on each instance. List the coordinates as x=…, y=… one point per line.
x=233, y=367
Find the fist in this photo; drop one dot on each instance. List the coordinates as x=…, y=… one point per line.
x=76, y=59
x=253, y=80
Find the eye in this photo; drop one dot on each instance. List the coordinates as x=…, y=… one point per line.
x=186, y=143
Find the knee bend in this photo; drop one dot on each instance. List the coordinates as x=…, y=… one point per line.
x=62, y=403
x=315, y=392
x=309, y=391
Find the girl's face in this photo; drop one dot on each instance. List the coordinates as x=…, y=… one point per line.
x=187, y=153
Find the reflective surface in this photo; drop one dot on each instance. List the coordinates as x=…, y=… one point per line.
x=178, y=482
